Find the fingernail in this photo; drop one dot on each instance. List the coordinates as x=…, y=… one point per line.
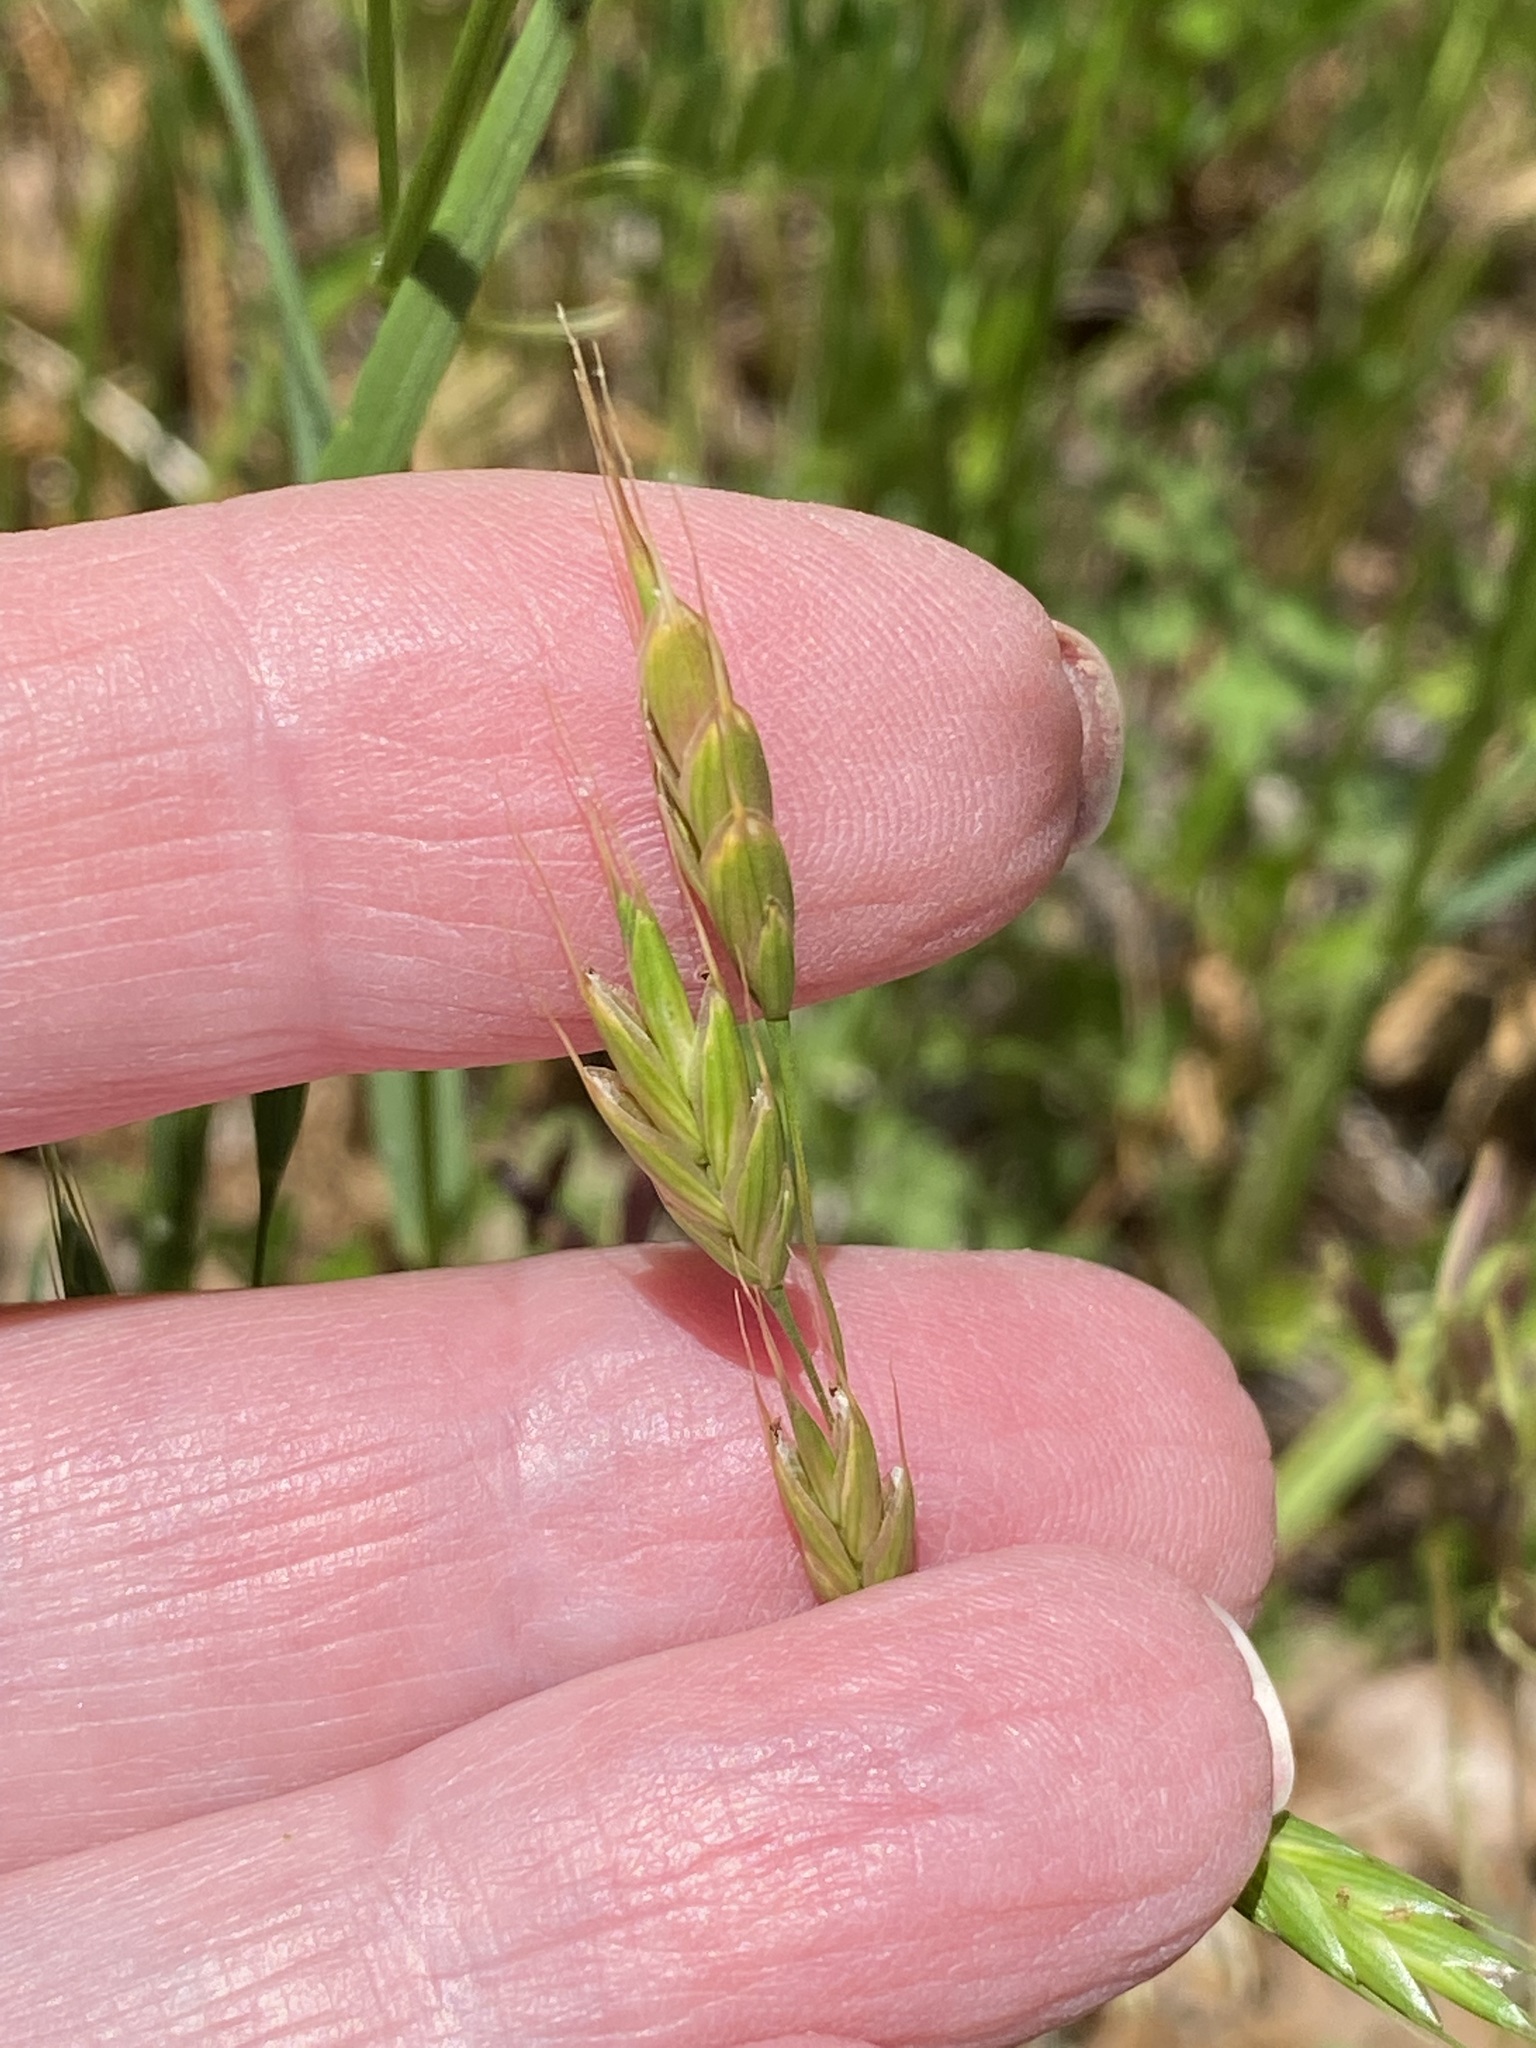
x=1267, y=1700
x=1098, y=706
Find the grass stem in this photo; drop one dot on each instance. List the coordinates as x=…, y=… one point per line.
x=469, y=74
x=381, y=93
x=785, y=1078
x=306, y=383
x=426, y=316
x=170, y=1229
x=278, y=1114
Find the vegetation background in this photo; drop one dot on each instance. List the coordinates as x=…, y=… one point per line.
x=1214, y=322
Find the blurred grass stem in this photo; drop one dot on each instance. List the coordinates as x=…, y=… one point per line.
x=305, y=382
x=473, y=67
x=170, y=1230
x=426, y=316
x=381, y=93
x=277, y=1115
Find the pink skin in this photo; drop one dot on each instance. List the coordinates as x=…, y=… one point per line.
x=279, y=751
x=426, y=1659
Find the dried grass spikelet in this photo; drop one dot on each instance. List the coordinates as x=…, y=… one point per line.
x=711, y=773
x=855, y=1527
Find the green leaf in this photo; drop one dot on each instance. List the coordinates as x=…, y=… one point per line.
x=1248, y=706
x=170, y=1231
x=469, y=74
x=421, y=330
x=1342, y=1447
x=1270, y=1189
x=82, y=1271
x=421, y=1127
x=308, y=391
x=277, y=1114
x=1504, y=882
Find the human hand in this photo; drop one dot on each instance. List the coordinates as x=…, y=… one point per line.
x=427, y=1659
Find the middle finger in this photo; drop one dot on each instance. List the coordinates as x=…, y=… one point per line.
x=262, y=1539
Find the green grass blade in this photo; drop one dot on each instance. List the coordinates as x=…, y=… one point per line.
x=469, y=75
x=277, y=1114
x=1458, y=72
x=304, y=370
x=421, y=330
x=170, y=1229
x=381, y=93
x=1332, y=1458
x=82, y=1270
x=421, y=1128
x=1502, y=883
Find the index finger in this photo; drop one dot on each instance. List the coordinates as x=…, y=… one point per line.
x=275, y=770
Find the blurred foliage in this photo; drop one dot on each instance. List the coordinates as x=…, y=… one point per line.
x=1213, y=322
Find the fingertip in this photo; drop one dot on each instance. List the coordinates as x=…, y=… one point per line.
x=1103, y=718
x=967, y=1805
x=809, y=2041
x=332, y=699
x=1268, y=1702
x=1071, y=1399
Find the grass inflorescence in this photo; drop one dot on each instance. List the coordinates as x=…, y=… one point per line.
x=700, y=1093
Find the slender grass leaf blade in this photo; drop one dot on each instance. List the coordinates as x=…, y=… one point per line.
x=82, y=1271
x=171, y=1228
x=278, y=1115
x=1337, y=1452
x=421, y=330
x=304, y=368
x=421, y=1127
x=381, y=93
x=1509, y=880
x=469, y=76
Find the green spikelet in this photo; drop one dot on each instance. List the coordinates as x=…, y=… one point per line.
x=686, y=1102
x=854, y=1528
x=1383, y=1933
x=703, y=1100
x=711, y=773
